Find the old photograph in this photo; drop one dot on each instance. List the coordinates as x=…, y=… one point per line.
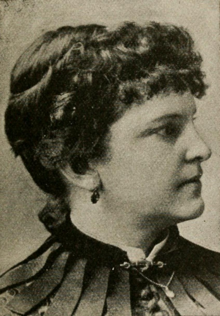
x=110, y=158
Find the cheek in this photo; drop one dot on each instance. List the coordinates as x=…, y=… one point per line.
x=141, y=171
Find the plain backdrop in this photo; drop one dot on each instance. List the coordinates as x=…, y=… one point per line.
x=21, y=22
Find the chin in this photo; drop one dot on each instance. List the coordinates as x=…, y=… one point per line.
x=198, y=211
x=193, y=210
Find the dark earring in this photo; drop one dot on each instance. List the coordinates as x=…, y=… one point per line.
x=95, y=196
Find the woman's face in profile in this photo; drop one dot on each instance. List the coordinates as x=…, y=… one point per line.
x=156, y=154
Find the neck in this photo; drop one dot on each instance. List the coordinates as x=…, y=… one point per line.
x=114, y=224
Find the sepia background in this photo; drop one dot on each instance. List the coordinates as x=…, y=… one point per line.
x=21, y=22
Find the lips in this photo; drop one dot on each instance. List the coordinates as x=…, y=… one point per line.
x=195, y=179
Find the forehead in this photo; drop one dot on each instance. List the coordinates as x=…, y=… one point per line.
x=141, y=115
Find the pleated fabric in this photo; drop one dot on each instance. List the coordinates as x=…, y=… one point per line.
x=66, y=299
x=197, y=290
x=208, y=303
x=60, y=281
x=29, y=267
x=210, y=280
x=118, y=303
x=93, y=299
x=40, y=288
x=182, y=301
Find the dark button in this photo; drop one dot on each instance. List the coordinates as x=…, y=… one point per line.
x=3, y=301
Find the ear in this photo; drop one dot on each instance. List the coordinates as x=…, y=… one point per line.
x=88, y=181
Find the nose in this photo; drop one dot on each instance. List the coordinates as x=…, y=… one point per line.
x=197, y=149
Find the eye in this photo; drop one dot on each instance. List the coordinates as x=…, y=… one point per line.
x=170, y=130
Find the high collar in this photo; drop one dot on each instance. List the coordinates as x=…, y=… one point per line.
x=136, y=255
x=74, y=239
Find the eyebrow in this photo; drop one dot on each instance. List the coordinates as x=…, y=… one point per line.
x=166, y=117
x=172, y=116
x=149, y=130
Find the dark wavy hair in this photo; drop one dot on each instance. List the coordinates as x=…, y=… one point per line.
x=71, y=84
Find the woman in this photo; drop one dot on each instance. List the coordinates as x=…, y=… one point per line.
x=104, y=122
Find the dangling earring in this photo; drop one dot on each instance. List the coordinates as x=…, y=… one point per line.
x=95, y=196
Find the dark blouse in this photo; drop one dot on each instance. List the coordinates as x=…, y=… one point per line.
x=73, y=274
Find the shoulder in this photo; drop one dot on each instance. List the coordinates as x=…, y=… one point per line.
x=193, y=278
x=199, y=257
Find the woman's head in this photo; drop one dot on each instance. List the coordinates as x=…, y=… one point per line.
x=155, y=166
x=72, y=84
